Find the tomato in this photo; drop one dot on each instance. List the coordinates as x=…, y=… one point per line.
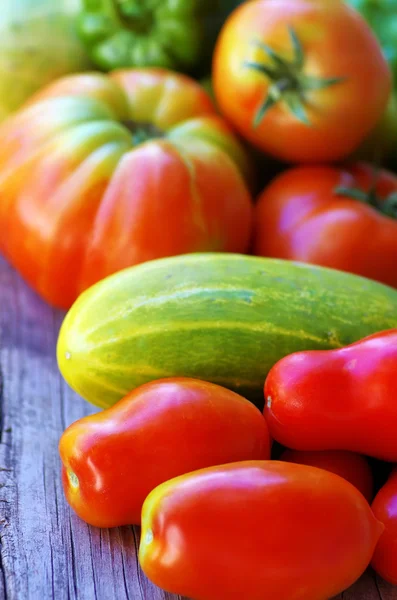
x=339, y=217
x=303, y=80
x=352, y=467
x=341, y=399
x=381, y=15
x=113, y=459
x=384, y=508
x=98, y=173
x=255, y=530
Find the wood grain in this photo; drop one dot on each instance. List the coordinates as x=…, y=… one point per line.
x=46, y=552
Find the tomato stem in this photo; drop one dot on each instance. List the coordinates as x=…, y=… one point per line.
x=142, y=132
x=387, y=206
x=288, y=83
x=356, y=194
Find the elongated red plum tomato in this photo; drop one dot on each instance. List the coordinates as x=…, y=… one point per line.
x=384, y=508
x=341, y=399
x=303, y=80
x=339, y=217
x=349, y=465
x=101, y=172
x=255, y=530
x=113, y=459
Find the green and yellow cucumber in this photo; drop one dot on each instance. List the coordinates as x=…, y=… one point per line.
x=224, y=318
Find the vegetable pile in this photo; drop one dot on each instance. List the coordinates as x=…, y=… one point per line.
x=210, y=191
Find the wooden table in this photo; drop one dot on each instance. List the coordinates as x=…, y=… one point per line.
x=46, y=552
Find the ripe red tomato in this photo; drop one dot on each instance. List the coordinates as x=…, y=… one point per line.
x=349, y=465
x=100, y=172
x=303, y=80
x=384, y=508
x=113, y=459
x=341, y=399
x=342, y=217
x=255, y=530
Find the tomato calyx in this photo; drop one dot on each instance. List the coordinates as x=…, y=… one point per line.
x=289, y=83
x=387, y=206
x=142, y=132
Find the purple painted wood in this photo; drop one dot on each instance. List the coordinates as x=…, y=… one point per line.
x=46, y=552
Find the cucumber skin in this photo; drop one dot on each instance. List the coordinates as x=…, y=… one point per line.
x=224, y=318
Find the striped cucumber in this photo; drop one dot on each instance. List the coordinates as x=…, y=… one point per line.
x=224, y=318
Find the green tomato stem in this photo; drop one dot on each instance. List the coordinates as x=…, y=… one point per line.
x=142, y=132
x=387, y=207
x=288, y=82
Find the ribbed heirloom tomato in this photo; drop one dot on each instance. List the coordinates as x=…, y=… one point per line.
x=102, y=172
x=339, y=217
x=304, y=80
x=257, y=530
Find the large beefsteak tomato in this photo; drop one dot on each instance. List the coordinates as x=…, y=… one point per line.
x=98, y=173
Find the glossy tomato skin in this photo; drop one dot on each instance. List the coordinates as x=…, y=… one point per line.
x=299, y=217
x=341, y=399
x=83, y=195
x=257, y=529
x=349, y=465
x=113, y=459
x=384, y=508
x=337, y=43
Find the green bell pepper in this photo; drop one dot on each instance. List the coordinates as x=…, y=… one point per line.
x=174, y=34
x=382, y=17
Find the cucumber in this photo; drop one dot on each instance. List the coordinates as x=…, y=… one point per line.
x=224, y=318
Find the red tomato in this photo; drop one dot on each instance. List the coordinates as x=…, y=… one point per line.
x=300, y=216
x=98, y=173
x=255, y=530
x=352, y=467
x=384, y=508
x=340, y=399
x=303, y=80
x=113, y=459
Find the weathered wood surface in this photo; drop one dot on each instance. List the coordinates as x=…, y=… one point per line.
x=46, y=552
